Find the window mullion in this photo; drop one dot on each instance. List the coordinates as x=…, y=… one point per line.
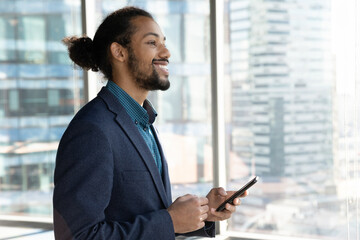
x=217, y=92
x=88, y=29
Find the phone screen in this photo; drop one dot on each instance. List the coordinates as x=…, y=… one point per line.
x=238, y=193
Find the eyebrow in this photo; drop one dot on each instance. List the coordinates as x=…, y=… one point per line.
x=153, y=34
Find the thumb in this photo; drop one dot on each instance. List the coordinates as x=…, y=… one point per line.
x=221, y=191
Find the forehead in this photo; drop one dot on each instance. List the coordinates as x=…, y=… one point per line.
x=145, y=25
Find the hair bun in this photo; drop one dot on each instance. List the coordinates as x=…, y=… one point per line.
x=81, y=52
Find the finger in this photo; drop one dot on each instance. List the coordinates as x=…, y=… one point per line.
x=204, y=209
x=203, y=217
x=245, y=194
x=203, y=200
x=201, y=225
x=221, y=191
x=230, y=208
x=237, y=202
x=230, y=192
x=187, y=196
x=221, y=215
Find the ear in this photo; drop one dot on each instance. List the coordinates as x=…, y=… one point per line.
x=118, y=52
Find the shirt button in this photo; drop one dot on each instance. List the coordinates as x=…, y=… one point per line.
x=136, y=122
x=145, y=129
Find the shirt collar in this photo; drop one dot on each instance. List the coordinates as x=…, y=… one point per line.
x=145, y=115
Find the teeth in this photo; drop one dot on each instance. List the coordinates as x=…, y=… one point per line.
x=163, y=67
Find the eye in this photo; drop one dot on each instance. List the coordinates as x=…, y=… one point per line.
x=152, y=42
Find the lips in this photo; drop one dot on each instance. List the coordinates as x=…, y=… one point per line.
x=162, y=66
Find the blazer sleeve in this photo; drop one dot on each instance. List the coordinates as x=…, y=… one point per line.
x=83, y=185
x=207, y=231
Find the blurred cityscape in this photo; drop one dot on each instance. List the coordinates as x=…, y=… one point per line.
x=284, y=116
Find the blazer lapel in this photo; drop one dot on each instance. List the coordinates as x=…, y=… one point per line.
x=125, y=122
x=165, y=176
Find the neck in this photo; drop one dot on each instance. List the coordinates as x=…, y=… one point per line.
x=124, y=78
x=131, y=88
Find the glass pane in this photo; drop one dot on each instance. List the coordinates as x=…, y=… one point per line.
x=196, y=51
x=184, y=111
x=7, y=32
x=39, y=94
x=283, y=119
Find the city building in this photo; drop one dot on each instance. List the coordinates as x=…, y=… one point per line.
x=282, y=86
x=282, y=122
x=39, y=93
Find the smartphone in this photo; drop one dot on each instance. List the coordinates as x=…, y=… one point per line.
x=238, y=193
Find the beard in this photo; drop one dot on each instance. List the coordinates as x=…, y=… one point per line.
x=143, y=79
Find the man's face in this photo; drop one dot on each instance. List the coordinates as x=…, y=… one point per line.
x=148, y=55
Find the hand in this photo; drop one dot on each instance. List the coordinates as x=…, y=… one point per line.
x=188, y=213
x=217, y=196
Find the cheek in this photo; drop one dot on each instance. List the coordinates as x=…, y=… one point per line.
x=144, y=57
x=146, y=66
x=147, y=56
x=146, y=62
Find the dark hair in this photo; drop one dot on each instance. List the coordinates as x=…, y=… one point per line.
x=94, y=54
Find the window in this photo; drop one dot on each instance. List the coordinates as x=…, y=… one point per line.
x=184, y=111
x=286, y=119
x=40, y=92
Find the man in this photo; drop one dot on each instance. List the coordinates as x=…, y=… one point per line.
x=111, y=177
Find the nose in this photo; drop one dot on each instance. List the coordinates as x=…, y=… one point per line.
x=164, y=52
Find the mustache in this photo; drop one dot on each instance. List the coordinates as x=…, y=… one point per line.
x=160, y=59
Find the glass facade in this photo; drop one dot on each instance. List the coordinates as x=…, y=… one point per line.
x=40, y=92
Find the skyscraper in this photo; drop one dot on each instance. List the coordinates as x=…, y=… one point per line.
x=282, y=82
x=282, y=86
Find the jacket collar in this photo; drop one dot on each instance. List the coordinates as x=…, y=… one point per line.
x=125, y=122
x=143, y=114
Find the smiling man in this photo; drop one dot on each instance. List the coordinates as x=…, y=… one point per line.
x=111, y=177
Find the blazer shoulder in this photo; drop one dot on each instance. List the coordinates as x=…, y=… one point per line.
x=101, y=109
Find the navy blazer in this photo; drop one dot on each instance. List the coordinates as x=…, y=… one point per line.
x=107, y=185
